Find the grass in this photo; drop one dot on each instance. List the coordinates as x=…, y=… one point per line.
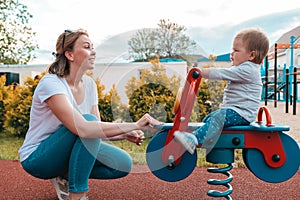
x=138, y=153
x=9, y=146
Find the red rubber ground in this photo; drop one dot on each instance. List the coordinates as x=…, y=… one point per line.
x=16, y=184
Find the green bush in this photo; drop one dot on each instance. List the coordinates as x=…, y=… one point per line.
x=3, y=96
x=153, y=98
x=17, y=106
x=154, y=93
x=209, y=97
x=110, y=105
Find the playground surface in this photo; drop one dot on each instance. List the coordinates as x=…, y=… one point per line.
x=18, y=185
x=280, y=116
x=141, y=184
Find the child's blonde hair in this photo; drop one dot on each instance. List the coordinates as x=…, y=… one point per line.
x=256, y=40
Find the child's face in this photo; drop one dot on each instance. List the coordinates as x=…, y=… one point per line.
x=240, y=53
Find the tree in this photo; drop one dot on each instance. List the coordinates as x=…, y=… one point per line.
x=167, y=41
x=16, y=36
x=143, y=44
x=173, y=42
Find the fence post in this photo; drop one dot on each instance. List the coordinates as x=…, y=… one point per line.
x=295, y=91
x=275, y=76
x=287, y=91
x=266, y=80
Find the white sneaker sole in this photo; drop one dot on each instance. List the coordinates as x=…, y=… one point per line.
x=60, y=194
x=187, y=145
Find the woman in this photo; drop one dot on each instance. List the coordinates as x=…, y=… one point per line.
x=64, y=139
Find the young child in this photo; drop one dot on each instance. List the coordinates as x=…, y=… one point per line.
x=241, y=94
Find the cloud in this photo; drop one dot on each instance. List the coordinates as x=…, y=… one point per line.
x=217, y=40
x=213, y=40
x=211, y=24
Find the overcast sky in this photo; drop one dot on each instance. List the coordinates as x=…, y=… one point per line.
x=103, y=19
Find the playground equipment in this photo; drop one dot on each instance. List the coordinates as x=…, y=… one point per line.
x=268, y=152
x=288, y=84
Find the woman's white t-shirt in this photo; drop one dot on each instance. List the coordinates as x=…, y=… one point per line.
x=43, y=122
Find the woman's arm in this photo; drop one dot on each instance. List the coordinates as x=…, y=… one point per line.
x=136, y=136
x=95, y=111
x=75, y=122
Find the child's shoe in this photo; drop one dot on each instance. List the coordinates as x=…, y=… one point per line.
x=187, y=140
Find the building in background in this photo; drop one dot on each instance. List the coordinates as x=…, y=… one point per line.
x=108, y=73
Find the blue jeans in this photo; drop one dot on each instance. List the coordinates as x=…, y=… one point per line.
x=214, y=123
x=77, y=159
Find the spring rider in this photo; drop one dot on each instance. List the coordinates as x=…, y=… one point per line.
x=269, y=153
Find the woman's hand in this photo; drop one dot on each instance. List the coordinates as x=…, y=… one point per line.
x=136, y=137
x=147, y=122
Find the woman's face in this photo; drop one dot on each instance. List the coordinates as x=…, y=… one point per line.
x=239, y=53
x=83, y=53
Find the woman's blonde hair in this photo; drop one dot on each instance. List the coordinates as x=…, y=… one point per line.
x=256, y=40
x=65, y=42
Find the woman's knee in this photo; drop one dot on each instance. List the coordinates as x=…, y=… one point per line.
x=122, y=163
x=127, y=163
x=125, y=167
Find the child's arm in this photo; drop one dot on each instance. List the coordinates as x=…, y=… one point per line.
x=205, y=72
x=241, y=73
